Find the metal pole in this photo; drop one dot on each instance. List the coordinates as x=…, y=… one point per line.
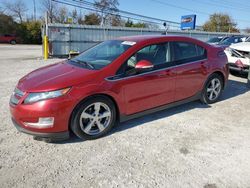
x=45, y=39
x=248, y=78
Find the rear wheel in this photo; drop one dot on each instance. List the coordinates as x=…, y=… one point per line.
x=93, y=118
x=212, y=89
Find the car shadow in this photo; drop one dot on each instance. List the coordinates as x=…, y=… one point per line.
x=233, y=89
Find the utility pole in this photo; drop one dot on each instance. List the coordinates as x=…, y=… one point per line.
x=34, y=3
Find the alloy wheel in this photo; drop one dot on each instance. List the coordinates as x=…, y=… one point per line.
x=214, y=89
x=95, y=118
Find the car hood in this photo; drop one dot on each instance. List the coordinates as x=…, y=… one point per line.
x=56, y=76
x=242, y=46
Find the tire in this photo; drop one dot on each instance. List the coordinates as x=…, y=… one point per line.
x=13, y=42
x=212, y=89
x=93, y=118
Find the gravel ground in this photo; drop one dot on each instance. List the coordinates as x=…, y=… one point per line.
x=192, y=145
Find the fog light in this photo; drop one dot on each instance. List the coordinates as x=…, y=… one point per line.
x=44, y=122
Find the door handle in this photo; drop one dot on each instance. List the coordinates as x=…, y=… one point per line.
x=170, y=72
x=161, y=75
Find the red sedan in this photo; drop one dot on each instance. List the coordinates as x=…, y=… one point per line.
x=115, y=81
x=12, y=39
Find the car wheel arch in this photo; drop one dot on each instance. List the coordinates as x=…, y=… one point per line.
x=221, y=75
x=92, y=96
x=211, y=74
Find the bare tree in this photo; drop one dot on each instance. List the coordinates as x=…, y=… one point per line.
x=80, y=18
x=16, y=9
x=62, y=15
x=107, y=8
x=74, y=15
x=51, y=8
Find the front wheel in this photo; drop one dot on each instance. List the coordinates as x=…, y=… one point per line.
x=212, y=89
x=13, y=42
x=93, y=118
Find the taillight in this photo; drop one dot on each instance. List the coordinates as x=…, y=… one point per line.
x=221, y=54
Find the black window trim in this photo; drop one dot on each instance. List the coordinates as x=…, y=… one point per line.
x=117, y=77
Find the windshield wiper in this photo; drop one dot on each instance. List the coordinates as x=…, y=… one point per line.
x=84, y=63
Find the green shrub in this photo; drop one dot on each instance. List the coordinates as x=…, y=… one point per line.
x=30, y=32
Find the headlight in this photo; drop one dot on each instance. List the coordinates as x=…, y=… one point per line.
x=228, y=50
x=34, y=97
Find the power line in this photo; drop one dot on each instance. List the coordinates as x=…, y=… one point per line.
x=201, y=12
x=179, y=7
x=92, y=9
x=129, y=13
x=234, y=4
x=222, y=5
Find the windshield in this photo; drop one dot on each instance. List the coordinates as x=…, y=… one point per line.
x=102, y=54
x=215, y=39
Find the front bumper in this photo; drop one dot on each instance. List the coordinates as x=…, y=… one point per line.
x=59, y=136
x=234, y=67
x=26, y=117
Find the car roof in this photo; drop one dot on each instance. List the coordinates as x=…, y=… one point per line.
x=142, y=38
x=139, y=39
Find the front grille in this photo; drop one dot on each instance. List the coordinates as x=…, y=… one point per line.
x=234, y=65
x=16, y=96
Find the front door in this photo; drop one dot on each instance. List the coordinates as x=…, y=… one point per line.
x=150, y=89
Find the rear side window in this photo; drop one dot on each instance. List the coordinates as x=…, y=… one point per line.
x=185, y=52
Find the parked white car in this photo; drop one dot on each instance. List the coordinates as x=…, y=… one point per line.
x=239, y=56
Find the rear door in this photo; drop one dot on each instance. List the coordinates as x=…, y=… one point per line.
x=191, y=68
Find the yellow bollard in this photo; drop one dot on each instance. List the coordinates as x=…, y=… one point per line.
x=46, y=47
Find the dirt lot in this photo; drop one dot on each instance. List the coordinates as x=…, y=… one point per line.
x=192, y=145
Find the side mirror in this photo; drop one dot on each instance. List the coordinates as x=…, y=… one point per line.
x=143, y=66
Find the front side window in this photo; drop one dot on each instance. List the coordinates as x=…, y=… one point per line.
x=187, y=52
x=157, y=54
x=102, y=54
